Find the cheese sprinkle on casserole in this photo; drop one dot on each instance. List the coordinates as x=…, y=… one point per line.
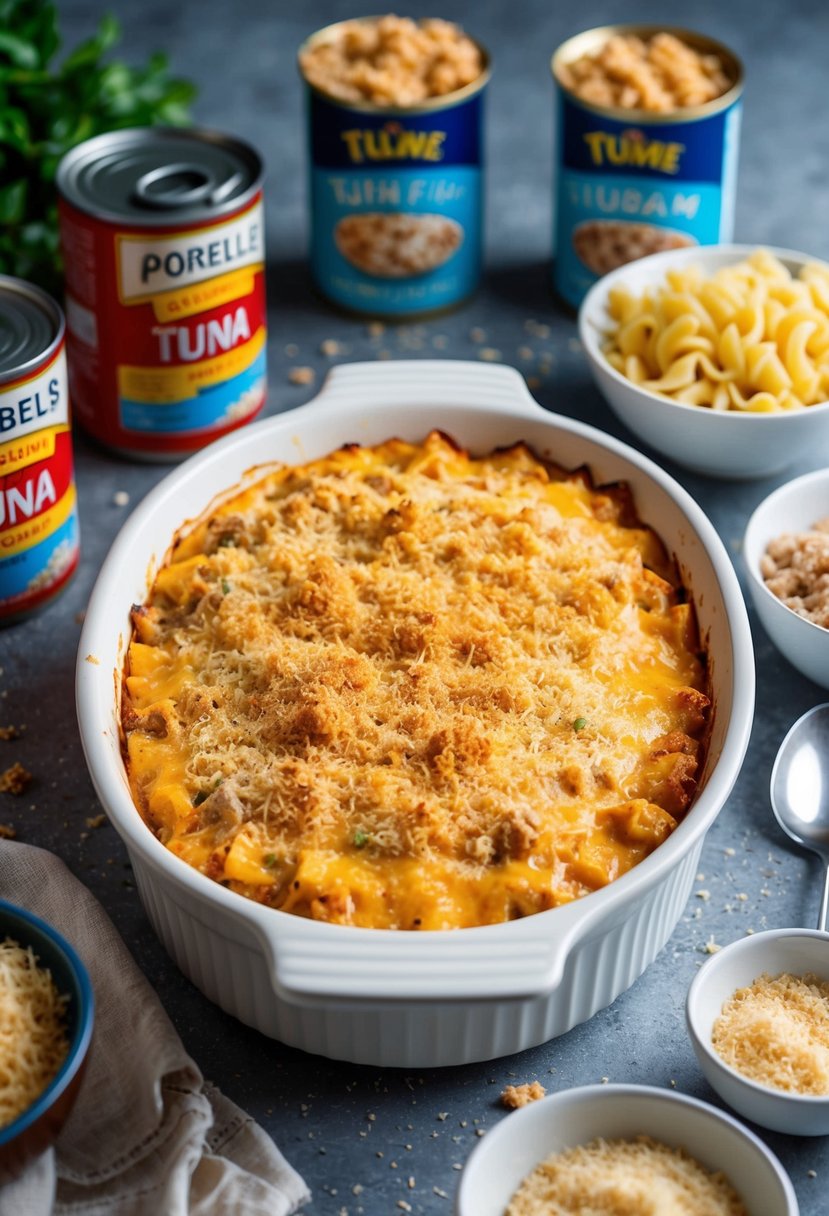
x=402, y=687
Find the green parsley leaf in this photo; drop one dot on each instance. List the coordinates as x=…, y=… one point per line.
x=225, y=587
x=361, y=839
x=270, y=859
x=580, y=724
x=48, y=104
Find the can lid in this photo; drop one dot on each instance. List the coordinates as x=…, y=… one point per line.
x=157, y=176
x=30, y=323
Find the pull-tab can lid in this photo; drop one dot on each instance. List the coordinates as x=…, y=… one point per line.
x=31, y=325
x=157, y=176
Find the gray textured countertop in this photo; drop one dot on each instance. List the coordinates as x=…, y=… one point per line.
x=346, y=1127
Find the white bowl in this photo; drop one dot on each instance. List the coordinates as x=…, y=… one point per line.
x=796, y=951
x=718, y=443
x=415, y=999
x=794, y=507
x=522, y=1140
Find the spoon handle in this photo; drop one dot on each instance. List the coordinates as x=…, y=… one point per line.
x=824, y=904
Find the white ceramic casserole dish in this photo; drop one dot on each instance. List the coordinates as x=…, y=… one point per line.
x=378, y=996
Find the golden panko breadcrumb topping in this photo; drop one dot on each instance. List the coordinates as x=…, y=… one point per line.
x=404, y=687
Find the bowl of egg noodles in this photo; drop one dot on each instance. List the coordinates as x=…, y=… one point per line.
x=717, y=357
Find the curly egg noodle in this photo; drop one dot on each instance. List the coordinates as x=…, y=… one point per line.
x=749, y=337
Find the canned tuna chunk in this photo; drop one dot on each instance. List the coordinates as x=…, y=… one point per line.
x=163, y=238
x=648, y=131
x=38, y=508
x=395, y=112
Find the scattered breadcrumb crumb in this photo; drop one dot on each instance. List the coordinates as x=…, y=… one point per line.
x=711, y=947
x=729, y=852
x=291, y=350
x=9, y=732
x=441, y=1194
x=605, y=1080
x=301, y=375
x=375, y=329
x=516, y=1096
x=91, y=658
x=7, y=832
x=537, y=329
x=406, y=1207
x=477, y=334
x=120, y=498
x=443, y=1115
x=703, y=894
x=15, y=780
x=331, y=347
x=97, y=821
x=811, y=1173
x=489, y=354
x=741, y=895
x=533, y=382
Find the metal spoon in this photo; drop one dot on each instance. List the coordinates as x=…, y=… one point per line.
x=800, y=789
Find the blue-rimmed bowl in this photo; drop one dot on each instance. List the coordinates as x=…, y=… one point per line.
x=37, y=1127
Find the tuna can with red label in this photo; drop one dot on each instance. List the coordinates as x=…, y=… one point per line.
x=38, y=509
x=163, y=239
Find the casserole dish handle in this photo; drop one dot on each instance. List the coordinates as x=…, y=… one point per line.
x=335, y=962
x=423, y=382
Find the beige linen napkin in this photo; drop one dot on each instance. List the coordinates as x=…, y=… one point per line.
x=147, y=1135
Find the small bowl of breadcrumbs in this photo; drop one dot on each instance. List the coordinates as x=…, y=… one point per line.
x=619, y=1148
x=758, y=1018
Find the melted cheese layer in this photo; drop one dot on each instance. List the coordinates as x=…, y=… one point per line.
x=404, y=687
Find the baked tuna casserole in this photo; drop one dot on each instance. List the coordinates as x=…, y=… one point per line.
x=404, y=687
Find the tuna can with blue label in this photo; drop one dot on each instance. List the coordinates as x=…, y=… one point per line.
x=630, y=181
x=396, y=198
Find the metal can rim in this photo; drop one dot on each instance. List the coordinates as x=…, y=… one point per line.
x=53, y=309
x=163, y=219
x=590, y=39
x=445, y=102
